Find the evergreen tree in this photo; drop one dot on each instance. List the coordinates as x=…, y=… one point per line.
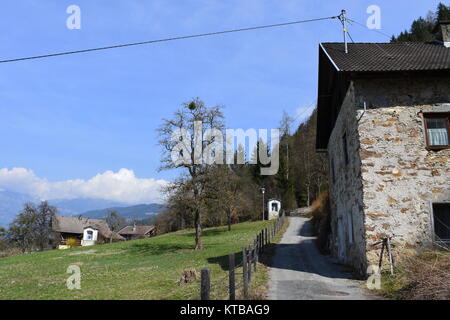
x=443, y=12
x=422, y=28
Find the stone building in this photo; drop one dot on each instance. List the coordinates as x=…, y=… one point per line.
x=383, y=120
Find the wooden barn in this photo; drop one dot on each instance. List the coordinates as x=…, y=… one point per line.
x=137, y=232
x=86, y=231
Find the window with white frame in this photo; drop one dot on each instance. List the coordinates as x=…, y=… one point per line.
x=437, y=130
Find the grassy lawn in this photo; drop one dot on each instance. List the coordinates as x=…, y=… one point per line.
x=140, y=269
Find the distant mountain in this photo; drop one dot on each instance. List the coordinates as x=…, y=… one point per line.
x=141, y=211
x=11, y=203
x=78, y=206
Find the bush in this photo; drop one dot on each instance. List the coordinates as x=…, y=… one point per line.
x=72, y=242
x=424, y=277
x=320, y=213
x=10, y=252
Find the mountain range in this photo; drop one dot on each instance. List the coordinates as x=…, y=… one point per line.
x=11, y=203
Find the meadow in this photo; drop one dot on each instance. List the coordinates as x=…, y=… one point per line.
x=140, y=269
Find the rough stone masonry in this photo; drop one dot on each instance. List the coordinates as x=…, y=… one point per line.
x=383, y=180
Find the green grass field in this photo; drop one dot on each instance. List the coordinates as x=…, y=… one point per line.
x=140, y=269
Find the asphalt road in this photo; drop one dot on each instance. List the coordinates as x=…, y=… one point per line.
x=300, y=272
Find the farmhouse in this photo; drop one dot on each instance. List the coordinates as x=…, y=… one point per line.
x=137, y=232
x=86, y=231
x=383, y=120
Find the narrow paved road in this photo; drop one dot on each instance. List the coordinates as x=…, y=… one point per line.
x=300, y=272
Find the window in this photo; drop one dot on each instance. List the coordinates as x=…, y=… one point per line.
x=441, y=221
x=274, y=206
x=89, y=235
x=437, y=130
x=344, y=142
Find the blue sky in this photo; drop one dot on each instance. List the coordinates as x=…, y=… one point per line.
x=74, y=117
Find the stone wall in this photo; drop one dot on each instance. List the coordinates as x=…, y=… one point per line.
x=401, y=177
x=390, y=181
x=346, y=189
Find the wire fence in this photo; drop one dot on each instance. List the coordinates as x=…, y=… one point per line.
x=240, y=280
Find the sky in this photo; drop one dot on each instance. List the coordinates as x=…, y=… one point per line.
x=85, y=125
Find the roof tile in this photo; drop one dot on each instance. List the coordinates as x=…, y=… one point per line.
x=389, y=57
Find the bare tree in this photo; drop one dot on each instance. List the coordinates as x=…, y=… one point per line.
x=115, y=223
x=194, y=119
x=226, y=197
x=285, y=130
x=2, y=238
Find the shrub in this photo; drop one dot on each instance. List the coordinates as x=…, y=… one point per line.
x=320, y=213
x=10, y=252
x=72, y=242
x=424, y=277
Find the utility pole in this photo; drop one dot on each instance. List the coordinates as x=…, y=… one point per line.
x=343, y=19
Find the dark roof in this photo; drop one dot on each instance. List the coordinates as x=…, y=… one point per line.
x=369, y=60
x=389, y=57
x=78, y=224
x=138, y=230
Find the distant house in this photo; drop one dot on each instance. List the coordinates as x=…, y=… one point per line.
x=383, y=119
x=86, y=231
x=137, y=232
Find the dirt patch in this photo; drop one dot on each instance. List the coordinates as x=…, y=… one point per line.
x=110, y=253
x=82, y=252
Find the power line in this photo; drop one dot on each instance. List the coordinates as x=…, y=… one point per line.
x=164, y=40
x=304, y=111
x=364, y=26
x=350, y=37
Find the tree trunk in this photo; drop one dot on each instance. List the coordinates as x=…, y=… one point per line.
x=229, y=220
x=198, y=231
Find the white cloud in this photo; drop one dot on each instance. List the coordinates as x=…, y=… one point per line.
x=122, y=186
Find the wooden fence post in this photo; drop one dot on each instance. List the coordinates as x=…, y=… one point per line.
x=231, y=282
x=255, y=255
x=262, y=241
x=250, y=260
x=205, y=284
x=257, y=243
x=244, y=271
